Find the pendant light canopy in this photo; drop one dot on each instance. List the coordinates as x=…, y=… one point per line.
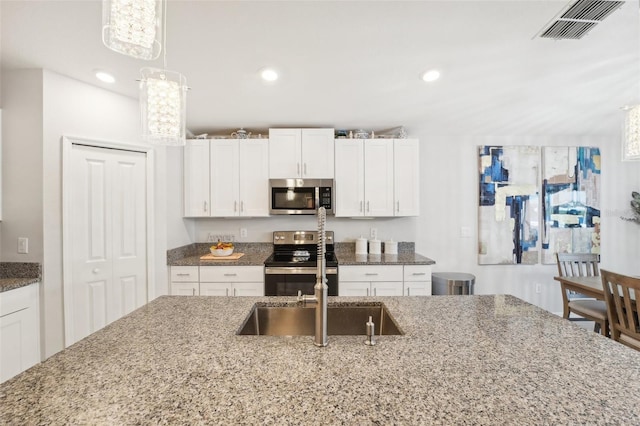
x=163, y=96
x=631, y=141
x=133, y=27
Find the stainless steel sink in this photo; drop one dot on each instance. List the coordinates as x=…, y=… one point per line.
x=265, y=320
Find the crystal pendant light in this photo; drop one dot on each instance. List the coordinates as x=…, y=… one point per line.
x=133, y=27
x=631, y=141
x=163, y=106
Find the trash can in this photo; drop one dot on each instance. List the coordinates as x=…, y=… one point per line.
x=450, y=283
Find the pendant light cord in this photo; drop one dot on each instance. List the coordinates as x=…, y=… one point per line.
x=164, y=34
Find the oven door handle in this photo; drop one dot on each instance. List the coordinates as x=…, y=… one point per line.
x=311, y=270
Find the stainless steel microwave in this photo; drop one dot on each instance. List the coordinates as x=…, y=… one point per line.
x=300, y=196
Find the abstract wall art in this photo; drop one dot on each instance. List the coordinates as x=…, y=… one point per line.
x=571, y=201
x=508, y=215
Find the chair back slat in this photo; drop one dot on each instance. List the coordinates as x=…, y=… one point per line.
x=578, y=264
x=621, y=294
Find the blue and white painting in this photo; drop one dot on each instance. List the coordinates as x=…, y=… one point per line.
x=508, y=205
x=571, y=207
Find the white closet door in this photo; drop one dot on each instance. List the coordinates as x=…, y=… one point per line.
x=108, y=237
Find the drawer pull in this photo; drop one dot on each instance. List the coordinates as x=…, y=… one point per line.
x=230, y=275
x=183, y=275
x=371, y=273
x=419, y=273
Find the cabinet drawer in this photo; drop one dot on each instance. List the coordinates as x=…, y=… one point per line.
x=230, y=274
x=184, y=274
x=417, y=272
x=371, y=273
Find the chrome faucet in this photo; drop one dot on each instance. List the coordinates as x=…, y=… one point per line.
x=321, y=288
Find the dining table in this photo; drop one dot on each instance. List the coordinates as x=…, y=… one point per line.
x=590, y=286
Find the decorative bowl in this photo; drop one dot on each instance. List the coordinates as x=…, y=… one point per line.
x=222, y=252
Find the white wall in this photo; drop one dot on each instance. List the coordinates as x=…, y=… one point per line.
x=449, y=197
x=56, y=106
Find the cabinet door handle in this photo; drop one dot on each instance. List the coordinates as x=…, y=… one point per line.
x=361, y=205
x=95, y=271
x=230, y=275
x=305, y=169
x=241, y=206
x=371, y=273
x=408, y=292
x=193, y=291
x=234, y=291
x=375, y=291
x=226, y=291
x=368, y=209
x=235, y=206
x=419, y=273
x=205, y=206
x=367, y=292
x=397, y=206
x=298, y=168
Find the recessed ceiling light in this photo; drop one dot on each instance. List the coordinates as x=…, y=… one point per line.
x=431, y=75
x=105, y=77
x=269, y=74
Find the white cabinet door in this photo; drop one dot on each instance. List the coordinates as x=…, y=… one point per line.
x=254, y=177
x=196, y=178
x=349, y=177
x=19, y=330
x=386, y=288
x=216, y=289
x=285, y=153
x=225, y=178
x=378, y=177
x=406, y=177
x=417, y=288
x=184, y=289
x=354, y=288
x=318, y=153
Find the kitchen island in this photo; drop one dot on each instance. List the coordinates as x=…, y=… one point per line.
x=462, y=359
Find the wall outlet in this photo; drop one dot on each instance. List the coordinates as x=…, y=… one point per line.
x=538, y=288
x=243, y=232
x=23, y=245
x=374, y=233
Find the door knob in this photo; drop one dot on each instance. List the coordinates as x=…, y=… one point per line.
x=96, y=270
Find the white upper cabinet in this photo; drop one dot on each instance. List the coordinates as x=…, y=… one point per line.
x=301, y=153
x=226, y=178
x=239, y=177
x=196, y=178
x=406, y=177
x=364, y=177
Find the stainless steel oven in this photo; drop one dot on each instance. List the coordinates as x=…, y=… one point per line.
x=293, y=265
x=300, y=196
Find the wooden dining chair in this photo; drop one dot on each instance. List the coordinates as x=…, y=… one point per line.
x=622, y=294
x=582, y=265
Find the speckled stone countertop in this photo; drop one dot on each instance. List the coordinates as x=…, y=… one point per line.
x=254, y=255
x=346, y=254
x=482, y=360
x=18, y=274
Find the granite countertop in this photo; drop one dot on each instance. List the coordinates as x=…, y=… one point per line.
x=18, y=274
x=463, y=360
x=254, y=255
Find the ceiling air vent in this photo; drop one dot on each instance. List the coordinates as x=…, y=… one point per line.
x=578, y=18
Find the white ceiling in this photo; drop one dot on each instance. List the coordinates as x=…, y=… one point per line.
x=356, y=64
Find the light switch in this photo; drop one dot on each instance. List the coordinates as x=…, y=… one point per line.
x=23, y=245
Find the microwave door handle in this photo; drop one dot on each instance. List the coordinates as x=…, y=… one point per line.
x=317, y=197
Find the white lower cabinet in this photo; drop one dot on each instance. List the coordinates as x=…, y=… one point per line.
x=370, y=280
x=417, y=280
x=185, y=281
x=19, y=330
x=217, y=281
